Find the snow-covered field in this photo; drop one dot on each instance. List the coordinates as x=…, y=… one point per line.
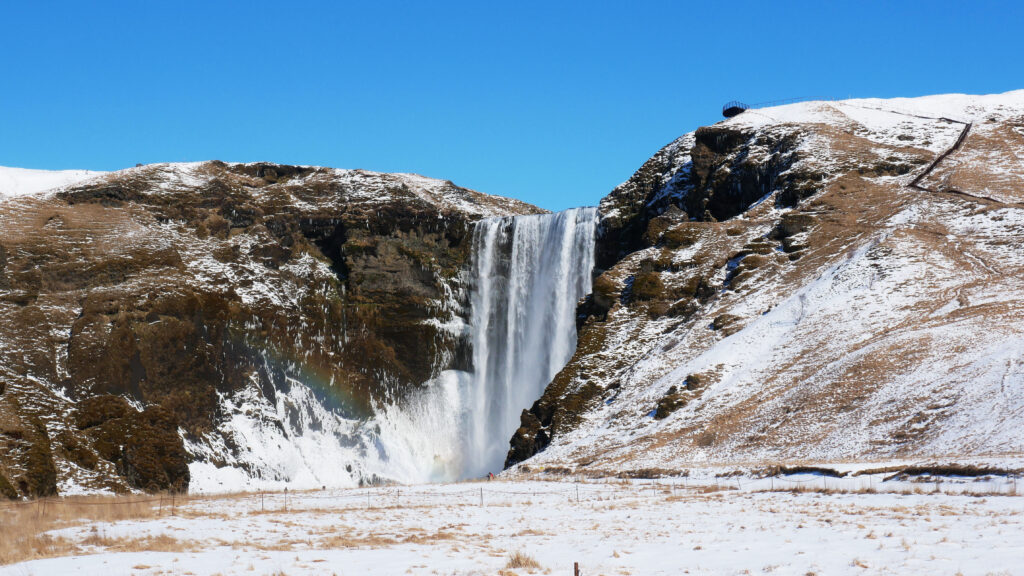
x=680, y=526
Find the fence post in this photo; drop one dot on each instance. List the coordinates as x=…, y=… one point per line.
x=576, y=569
x=481, y=496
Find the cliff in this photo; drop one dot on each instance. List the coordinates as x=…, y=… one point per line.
x=817, y=282
x=235, y=319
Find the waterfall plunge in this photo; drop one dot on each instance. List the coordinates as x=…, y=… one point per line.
x=527, y=274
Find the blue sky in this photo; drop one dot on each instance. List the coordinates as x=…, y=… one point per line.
x=552, y=103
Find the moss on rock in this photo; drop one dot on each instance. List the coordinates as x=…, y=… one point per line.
x=7, y=489
x=647, y=286
x=695, y=382
x=606, y=292
x=144, y=446
x=672, y=400
x=74, y=450
x=728, y=324
x=40, y=477
x=94, y=411
x=681, y=236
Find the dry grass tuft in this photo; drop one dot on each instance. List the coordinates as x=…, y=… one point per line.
x=161, y=543
x=522, y=561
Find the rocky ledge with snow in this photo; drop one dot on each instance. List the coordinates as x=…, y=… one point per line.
x=816, y=282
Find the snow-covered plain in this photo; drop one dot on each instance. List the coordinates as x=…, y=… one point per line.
x=679, y=526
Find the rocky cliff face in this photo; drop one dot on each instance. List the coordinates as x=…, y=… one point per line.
x=217, y=316
x=814, y=282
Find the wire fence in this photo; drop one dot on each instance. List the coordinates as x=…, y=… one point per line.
x=524, y=492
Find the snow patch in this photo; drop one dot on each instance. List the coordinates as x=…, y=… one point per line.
x=23, y=181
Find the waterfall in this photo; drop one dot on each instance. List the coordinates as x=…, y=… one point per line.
x=528, y=273
x=525, y=277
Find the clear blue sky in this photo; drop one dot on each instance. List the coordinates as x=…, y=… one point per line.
x=554, y=103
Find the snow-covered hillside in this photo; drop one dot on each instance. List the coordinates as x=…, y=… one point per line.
x=22, y=181
x=816, y=282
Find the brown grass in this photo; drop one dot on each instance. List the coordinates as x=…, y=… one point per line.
x=521, y=560
x=24, y=524
x=161, y=543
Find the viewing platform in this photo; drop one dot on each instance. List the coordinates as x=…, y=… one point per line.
x=733, y=108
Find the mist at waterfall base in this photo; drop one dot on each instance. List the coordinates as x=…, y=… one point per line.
x=527, y=275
